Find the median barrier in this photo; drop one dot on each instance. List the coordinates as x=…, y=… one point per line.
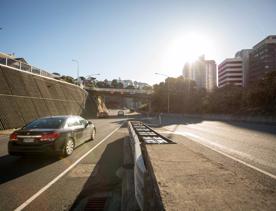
x=139, y=167
x=146, y=189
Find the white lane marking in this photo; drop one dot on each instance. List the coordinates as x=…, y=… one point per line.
x=195, y=137
x=26, y=203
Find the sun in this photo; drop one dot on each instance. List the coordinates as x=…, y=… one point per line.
x=187, y=48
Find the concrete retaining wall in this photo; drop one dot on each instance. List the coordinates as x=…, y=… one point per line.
x=25, y=96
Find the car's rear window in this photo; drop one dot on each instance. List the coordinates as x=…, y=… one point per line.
x=46, y=123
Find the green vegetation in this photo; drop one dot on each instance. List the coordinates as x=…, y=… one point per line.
x=185, y=97
x=68, y=79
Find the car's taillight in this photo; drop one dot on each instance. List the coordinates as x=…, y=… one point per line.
x=13, y=137
x=49, y=136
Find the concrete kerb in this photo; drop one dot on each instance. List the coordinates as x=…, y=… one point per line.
x=139, y=167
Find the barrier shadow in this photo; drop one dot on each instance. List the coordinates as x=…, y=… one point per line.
x=104, y=180
x=268, y=128
x=254, y=126
x=155, y=121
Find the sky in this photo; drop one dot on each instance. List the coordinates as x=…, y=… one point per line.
x=131, y=39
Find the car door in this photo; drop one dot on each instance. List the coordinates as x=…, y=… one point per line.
x=79, y=128
x=87, y=129
x=74, y=124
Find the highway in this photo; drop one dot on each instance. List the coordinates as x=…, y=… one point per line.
x=252, y=144
x=50, y=183
x=22, y=178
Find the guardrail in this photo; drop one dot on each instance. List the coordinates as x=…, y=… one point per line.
x=7, y=61
x=141, y=135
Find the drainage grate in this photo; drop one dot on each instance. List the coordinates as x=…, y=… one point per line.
x=95, y=204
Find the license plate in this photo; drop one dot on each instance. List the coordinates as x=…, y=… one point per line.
x=28, y=140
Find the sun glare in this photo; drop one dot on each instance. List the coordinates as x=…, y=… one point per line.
x=187, y=48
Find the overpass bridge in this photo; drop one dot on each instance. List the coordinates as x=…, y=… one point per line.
x=132, y=93
x=136, y=95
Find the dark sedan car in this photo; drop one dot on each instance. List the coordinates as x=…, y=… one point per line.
x=120, y=113
x=59, y=134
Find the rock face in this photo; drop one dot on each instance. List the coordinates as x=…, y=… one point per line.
x=25, y=96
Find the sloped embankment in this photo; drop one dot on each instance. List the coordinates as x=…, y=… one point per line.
x=25, y=96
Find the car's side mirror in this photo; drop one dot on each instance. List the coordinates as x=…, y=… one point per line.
x=88, y=123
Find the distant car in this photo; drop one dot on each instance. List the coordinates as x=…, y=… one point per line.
x=103, y=114
x=59, y=134
x=121, y=113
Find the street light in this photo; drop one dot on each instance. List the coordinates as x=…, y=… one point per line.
x=168, y=109
x=74, y=60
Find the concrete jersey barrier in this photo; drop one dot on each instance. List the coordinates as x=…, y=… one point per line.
x=139, y=167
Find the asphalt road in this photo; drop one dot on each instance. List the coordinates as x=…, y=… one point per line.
x=251, y=143
x=98, y=174
x=22, y=178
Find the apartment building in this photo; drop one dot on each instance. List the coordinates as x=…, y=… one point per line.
x=230, y=71
x=203, y=72
x=262, y=59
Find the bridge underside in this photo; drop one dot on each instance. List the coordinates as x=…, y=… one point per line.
x=120, y=94
x=120, y=99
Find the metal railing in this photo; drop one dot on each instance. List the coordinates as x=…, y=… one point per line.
x=17, y=64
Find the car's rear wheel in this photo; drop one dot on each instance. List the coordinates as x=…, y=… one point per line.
x=93, y=134
x=68, y=147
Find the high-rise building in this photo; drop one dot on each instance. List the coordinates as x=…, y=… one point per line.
x=211, y=76
x=203, y=72
x=244, y=55
x=230, y=71
x=262, y=59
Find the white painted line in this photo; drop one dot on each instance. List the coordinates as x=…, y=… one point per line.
x=32, y=198
x=194, y=138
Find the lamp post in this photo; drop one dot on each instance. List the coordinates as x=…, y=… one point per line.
x=168, y=109
x=74, y=60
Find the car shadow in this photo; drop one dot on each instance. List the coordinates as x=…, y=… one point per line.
x=12, y=167
x=104, y=178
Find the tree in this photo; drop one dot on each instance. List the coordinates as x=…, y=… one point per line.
x=68, y=79
x=130, y=87
x=147, y=87
x=114, y=83
x=186, y=97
